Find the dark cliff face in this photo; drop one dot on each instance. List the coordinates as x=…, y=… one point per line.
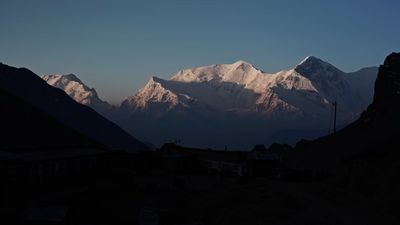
x=387, y=85
x=382, y=114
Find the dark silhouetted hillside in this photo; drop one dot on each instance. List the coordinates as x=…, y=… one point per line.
x=24, y=126
x=28, y=86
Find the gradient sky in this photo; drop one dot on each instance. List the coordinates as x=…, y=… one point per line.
x=115, y=46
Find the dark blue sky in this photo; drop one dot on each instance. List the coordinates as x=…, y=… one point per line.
x=115, y=46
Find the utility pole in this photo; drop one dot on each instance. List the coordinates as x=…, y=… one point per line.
x=334, y=117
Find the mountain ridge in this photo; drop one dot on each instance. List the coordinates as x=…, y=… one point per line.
x=295, y=99
x=303, y=95
x=254, y=80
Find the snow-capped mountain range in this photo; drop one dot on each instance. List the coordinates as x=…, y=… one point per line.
x=240, y=104
x=308, y=89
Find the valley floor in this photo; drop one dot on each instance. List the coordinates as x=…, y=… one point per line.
x=157, y=197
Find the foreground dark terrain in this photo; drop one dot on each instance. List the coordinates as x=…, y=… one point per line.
x=349, y=177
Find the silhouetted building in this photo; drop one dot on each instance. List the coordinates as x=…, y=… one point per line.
x=30, y=165
x=227, y=162
x=266, y=162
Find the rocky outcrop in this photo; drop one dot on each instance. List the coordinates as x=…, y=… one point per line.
x=387, y=85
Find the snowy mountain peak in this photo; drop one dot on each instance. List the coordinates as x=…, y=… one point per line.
x=153, y=94
x=239, y=72
x=155, y=84
x=66, y=78
x=241, y=62
x=71, y=77
x=313, y=63
x=310, y=59
x=244, y=66
x=315, y=68
x=76, y=89
x=155, y=79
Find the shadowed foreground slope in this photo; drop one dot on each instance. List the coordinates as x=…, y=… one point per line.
x=24, y=126
x=26, y=85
